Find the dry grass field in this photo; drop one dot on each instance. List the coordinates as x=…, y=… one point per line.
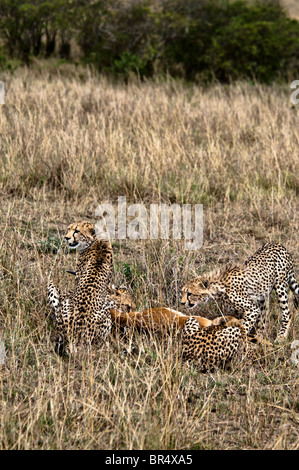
x=70, y=141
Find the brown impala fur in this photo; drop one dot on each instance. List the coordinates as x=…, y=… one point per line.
x=157, y=317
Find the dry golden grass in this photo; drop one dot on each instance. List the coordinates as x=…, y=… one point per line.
x=70, y=141
x=291, y=7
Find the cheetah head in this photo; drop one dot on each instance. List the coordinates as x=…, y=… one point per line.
x=80, y=235
x=200, y=290
x=122, y=299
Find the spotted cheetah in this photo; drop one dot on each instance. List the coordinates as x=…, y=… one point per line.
x=216, y=345
x=245, y=289
x=120, y=299
x=83, y=315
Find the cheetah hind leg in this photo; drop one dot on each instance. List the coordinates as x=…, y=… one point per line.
x=59, y=344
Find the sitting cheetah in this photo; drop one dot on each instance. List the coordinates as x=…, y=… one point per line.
x=215, y=345
x=84, y=314
x=244, y=289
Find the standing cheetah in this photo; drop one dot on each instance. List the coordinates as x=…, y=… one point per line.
x=245, y=289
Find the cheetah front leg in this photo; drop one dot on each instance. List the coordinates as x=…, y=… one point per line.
x=63, y=315
x=261, y=322
x=251, y=311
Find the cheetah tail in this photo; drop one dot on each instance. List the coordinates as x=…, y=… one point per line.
x=295, y=289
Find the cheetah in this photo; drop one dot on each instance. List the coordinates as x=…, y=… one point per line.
x=83, y=315
x=244, y=290
x=215, y=345
x=120, y=299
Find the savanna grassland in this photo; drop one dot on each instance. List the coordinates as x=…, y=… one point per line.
x=71, y=140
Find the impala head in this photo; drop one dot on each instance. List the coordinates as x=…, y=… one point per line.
x=122, y=299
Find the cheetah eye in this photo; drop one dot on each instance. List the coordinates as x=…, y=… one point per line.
x=76, y=231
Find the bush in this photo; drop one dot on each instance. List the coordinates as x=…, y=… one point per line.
x=119, y=39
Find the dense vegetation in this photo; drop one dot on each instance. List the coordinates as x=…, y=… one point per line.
x=195, y=39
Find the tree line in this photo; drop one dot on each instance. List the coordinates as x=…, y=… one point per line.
x=194, y=39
